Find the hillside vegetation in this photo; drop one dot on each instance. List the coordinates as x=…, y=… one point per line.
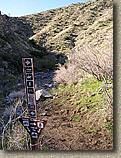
x=72, y=48
x=77, y=24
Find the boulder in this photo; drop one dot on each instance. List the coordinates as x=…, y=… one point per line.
x=47, y=109
x=43, y=94
x=15, y=94
x=8, y=111
x=49, y=85
x=5, y=64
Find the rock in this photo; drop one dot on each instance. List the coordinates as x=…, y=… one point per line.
x=5, y=64
x=49, y=85
x=69, y=125
x=2, y=71
x=62, y=111
x=40, y=94
x=47, y=109
x=67, y=112
x=56, y=94
x=44, y=114
x=19, y=84
x=15, y=95
x=8, y=111
x=79, y=110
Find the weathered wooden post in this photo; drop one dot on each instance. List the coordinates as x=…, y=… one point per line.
x=31, y=124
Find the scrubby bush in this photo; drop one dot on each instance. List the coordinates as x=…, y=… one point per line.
x=95, y=62
x=67, y=74
x=37, y=53
x=48, y=62
x=98, y=63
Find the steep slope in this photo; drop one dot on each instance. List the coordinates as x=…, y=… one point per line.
x=51, y=36
x=64, y=28
x=57, y=30
x=14, y=45
x=80, y=112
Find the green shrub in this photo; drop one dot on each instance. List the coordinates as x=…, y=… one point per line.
x=109, y=126
x=77, y=118
x=48, y=62
x=38, y=53
x=67, y=38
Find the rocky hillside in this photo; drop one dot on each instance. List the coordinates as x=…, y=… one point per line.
x=14, y=44
x=56, y=31
x=62, y=29
x=72, y=46
x=51, y=36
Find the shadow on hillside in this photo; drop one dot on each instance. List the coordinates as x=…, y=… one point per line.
x=45, y=61
x=20, y=46
x=24, y=47
x=45, y=69
x=24, y=27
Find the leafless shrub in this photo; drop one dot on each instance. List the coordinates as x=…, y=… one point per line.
x=98, y=63
x=95, y=62
x=11, y=136
x=14, y=135
x=67, y=74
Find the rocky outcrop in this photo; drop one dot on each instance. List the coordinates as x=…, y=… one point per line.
x=43, y=94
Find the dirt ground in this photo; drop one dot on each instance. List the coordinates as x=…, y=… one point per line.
x=63, y=132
